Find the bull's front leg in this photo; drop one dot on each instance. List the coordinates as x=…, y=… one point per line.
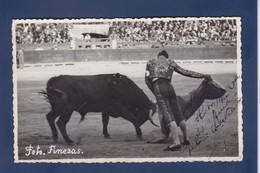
x=51, y=116
x=128, y=115
x=62, y=122
x=136, y=125
x=105, y=120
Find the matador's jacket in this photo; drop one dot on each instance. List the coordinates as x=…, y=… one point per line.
x=164, y=68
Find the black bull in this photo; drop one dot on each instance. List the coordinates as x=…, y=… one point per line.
x=114, y=95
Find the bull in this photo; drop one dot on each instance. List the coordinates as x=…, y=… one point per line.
x=111, y=94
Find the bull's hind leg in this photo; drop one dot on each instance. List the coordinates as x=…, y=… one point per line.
x=138, y=130
x=51, y=116
x=105, y=120
x=62, y=122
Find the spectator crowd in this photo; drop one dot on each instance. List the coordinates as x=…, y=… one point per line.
x=42, y=33
x=182, y=31
x=178, y=31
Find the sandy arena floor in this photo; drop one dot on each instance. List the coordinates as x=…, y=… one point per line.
x=205, y=141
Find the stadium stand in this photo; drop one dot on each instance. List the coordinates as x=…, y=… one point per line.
x=131, y=33
x=49, y=43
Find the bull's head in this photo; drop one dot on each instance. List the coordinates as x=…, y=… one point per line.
x=137, y=101
x=146, y=114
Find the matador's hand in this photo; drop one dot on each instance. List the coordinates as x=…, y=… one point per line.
x=207, y=77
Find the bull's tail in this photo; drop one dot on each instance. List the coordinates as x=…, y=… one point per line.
x=45, y=94
x=54, y=96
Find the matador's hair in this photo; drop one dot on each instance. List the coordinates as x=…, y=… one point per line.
x=164, y=53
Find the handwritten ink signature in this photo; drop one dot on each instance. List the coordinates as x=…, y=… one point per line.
x=220, y=109
x=233, y=83
x=198, y=140
x=201, y=113
x=219, y=118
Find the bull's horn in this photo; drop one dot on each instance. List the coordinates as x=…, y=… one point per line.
x=151, y=118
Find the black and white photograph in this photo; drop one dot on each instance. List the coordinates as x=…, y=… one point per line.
x=127, y=90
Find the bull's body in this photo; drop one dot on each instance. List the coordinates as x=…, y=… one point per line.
x=112, y=94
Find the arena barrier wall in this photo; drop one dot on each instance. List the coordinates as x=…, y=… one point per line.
x=186, y=62
x=178, y=53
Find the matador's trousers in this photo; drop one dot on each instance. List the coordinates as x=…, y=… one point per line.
x=169, y=108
